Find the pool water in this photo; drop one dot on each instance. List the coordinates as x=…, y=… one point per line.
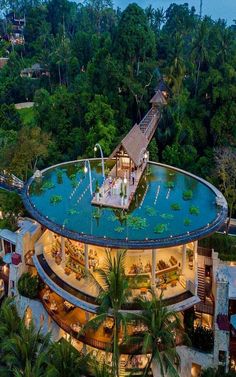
x=158, y=209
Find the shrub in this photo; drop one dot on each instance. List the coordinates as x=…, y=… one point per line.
x=223, y=244
x=194, y=210
x=28, y=285
x=161, y=228
x=55, y=199
x=170, y=184
x=175, y=207
x=187, y=222
x=187, y=195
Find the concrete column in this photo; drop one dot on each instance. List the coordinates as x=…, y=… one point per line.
x=195, y=265
x=154, y=262
x=86, y=257
x=63, y=253
x=184, y=259
x=3, y=247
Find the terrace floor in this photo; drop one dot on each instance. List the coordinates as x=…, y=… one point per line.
x=111, y=191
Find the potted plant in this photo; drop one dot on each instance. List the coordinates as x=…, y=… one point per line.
x=97, y=191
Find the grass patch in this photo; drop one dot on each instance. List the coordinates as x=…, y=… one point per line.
x=222, y=244
x=27, y=115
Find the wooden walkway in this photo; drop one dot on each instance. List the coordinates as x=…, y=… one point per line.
x=111, y=197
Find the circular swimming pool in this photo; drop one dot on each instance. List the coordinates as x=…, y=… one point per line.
x=170, y=207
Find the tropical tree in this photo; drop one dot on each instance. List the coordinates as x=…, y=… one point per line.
x=225, y=159
x=25, y=352
x=158, y=339
x=101, y=123
x=112, y=285
x=64, y=360
x=100, y=369
x=9, y=320
x=200, y=48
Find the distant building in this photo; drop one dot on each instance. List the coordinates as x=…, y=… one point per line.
x=16, y=35
x=34, y=71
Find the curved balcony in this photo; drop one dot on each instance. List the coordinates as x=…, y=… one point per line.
x=100, y=338
x=83, y=300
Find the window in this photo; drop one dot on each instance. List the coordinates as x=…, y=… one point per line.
x=222, y=356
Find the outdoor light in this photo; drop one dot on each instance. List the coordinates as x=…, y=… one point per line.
x=125, y=180
x=85, y=169
x=145, y=155
x=95, y=149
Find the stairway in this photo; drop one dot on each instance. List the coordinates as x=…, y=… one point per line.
x=201, y=283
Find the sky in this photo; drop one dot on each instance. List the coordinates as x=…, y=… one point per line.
x=215, y=8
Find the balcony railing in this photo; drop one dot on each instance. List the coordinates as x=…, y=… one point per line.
x=207, y=308
x=204, y=251
x=127, y=349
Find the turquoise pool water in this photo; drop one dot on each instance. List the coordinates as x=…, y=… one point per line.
x=158, y=209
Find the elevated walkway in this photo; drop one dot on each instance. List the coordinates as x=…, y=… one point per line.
x=10, y=182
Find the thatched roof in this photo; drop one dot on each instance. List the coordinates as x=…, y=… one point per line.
x=158, y=98
x=133, y=144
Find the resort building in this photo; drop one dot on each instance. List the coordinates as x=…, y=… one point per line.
x=158, y=213
x=15, y=28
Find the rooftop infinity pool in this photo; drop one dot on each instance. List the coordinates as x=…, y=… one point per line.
x=168, y=204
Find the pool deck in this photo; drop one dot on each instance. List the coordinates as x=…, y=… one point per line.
x=110, y=197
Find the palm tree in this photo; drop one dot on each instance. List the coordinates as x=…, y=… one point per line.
x=64, y=360
x=200, y=49
x=9, y=319
x=159, y=18
x=159, y=336
x=150, y=13
x=25, y=352
x=113, y=293
x=100, y=370
x=200, y=12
